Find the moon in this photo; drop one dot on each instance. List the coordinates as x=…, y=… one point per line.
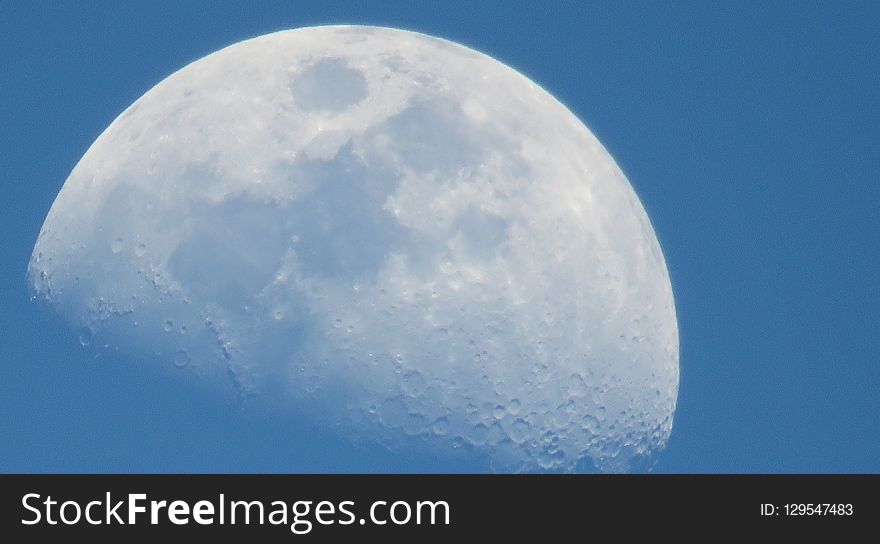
x=389, y=234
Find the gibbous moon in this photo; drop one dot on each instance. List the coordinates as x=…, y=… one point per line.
x=392, y=235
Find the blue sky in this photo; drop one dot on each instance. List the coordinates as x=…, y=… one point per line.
x=748, y=129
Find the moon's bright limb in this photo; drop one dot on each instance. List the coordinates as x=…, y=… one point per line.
x=406, y=238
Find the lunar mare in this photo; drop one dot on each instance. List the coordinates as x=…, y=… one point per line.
x=398, y=236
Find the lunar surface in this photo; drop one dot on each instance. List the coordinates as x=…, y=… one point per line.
x=396, y=236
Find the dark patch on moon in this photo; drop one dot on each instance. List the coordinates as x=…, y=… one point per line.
x=483, y=233
x=232, y=252
x=432, y=135
x=330, y=85
x=341, y=227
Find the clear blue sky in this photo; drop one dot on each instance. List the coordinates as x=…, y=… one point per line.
x=749, y=129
